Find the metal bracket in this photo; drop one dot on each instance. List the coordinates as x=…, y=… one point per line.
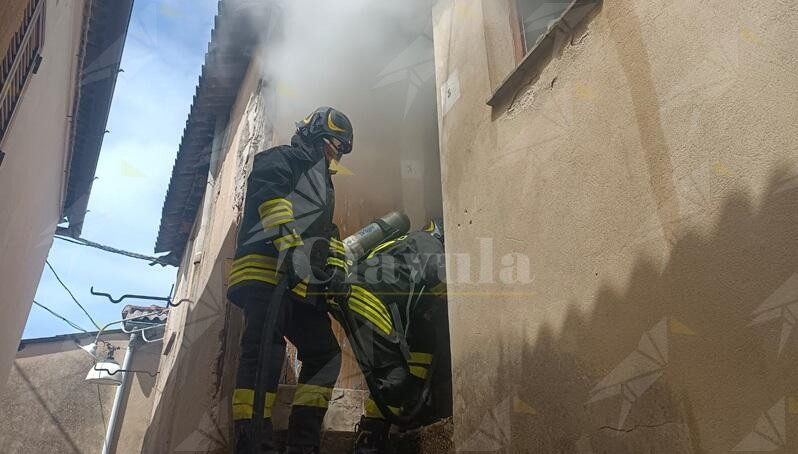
x=167, y=299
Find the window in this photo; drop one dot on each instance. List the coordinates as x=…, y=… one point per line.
x=535, y=16
x=540, y=27
x=21, y=60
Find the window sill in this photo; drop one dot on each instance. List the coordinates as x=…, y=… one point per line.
x=541, y=53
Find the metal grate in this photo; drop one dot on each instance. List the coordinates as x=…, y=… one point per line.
x=21, y=60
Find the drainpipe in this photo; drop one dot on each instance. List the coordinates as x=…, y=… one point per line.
x=121, y=392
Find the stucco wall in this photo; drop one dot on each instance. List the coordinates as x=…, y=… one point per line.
x=193, y=408
x=648, y=177
x=32, y=175
x=48, y=407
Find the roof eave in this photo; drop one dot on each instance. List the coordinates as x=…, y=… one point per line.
x=105, y=26
x=230, y=53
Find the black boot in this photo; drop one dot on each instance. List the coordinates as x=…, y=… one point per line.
x=372, y=436
x=243, y=435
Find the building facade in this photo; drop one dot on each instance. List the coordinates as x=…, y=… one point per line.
x=234, y=116
x=618, y=181
x=49, y=407
x=631, y=170
x=58, y=74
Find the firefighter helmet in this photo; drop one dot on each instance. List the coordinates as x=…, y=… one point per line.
x=328, y=123
x=435, y=228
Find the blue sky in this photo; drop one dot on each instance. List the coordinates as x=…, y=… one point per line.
x=163, y=55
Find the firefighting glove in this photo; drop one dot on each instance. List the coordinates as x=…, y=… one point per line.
x=297, y=266
x=338, y=289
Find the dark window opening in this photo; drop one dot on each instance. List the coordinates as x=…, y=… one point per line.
x=535, y=17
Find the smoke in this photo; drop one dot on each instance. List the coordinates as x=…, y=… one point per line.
x=333, y=53
x=373, y=60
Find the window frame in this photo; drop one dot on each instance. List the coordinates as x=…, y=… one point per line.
x=532, y=59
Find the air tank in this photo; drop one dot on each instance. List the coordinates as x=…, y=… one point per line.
x=388, y=227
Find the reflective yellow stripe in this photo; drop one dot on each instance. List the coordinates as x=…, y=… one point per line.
x=369, y=314
x=279, y=211
x=288, y=241
x=253, y=267
x=418, y=371
x=420, y=358
x=301, y=289
x=430, y=227
x=359, y=300
x=332, y=125
x=386, y=245
x=273, y=206
x=312, y=395
x=265, y=276
x=276, y=202
x=380, y=248
x=277, y=220
x=252, y=276
x=270, y=399
x=372, y=411
x=371, y=299
x=337, y=246
x=257, y=258
x=243, y=404
x=336, y=262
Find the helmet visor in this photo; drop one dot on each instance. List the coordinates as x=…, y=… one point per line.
x=339, y=146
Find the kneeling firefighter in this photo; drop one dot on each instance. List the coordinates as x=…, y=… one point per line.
x=395, y=316
x=285, y=232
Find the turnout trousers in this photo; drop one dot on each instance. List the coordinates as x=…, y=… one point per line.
x=400, y=381
x=310, y=331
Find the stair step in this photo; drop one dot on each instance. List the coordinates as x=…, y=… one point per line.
x=346, y=407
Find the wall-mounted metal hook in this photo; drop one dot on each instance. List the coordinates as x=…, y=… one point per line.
x=113, y=300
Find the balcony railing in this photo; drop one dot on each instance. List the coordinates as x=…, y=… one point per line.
x=21, y=60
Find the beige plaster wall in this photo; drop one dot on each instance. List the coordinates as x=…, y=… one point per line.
x=647, y=175
x=32, y=175
x=49, y=408
x=193, y=408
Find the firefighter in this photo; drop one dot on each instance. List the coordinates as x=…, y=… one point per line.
x=396, y=298
x=285, y=231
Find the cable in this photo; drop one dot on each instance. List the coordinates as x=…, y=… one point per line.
x=73, y=325
x=102, y=410
x=102, y=247
x=73, y=296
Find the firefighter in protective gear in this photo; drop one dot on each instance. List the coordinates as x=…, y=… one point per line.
x=397, y=298
x=285, y=231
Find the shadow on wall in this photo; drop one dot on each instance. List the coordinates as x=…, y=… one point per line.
x=696, y=356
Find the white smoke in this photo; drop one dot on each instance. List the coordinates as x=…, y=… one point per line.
x=332, y=53
x=373, y=60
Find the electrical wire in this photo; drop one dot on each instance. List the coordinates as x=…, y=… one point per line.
x=102, y=410
x=72, y=295
x=102, y=247
x=70, y=323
